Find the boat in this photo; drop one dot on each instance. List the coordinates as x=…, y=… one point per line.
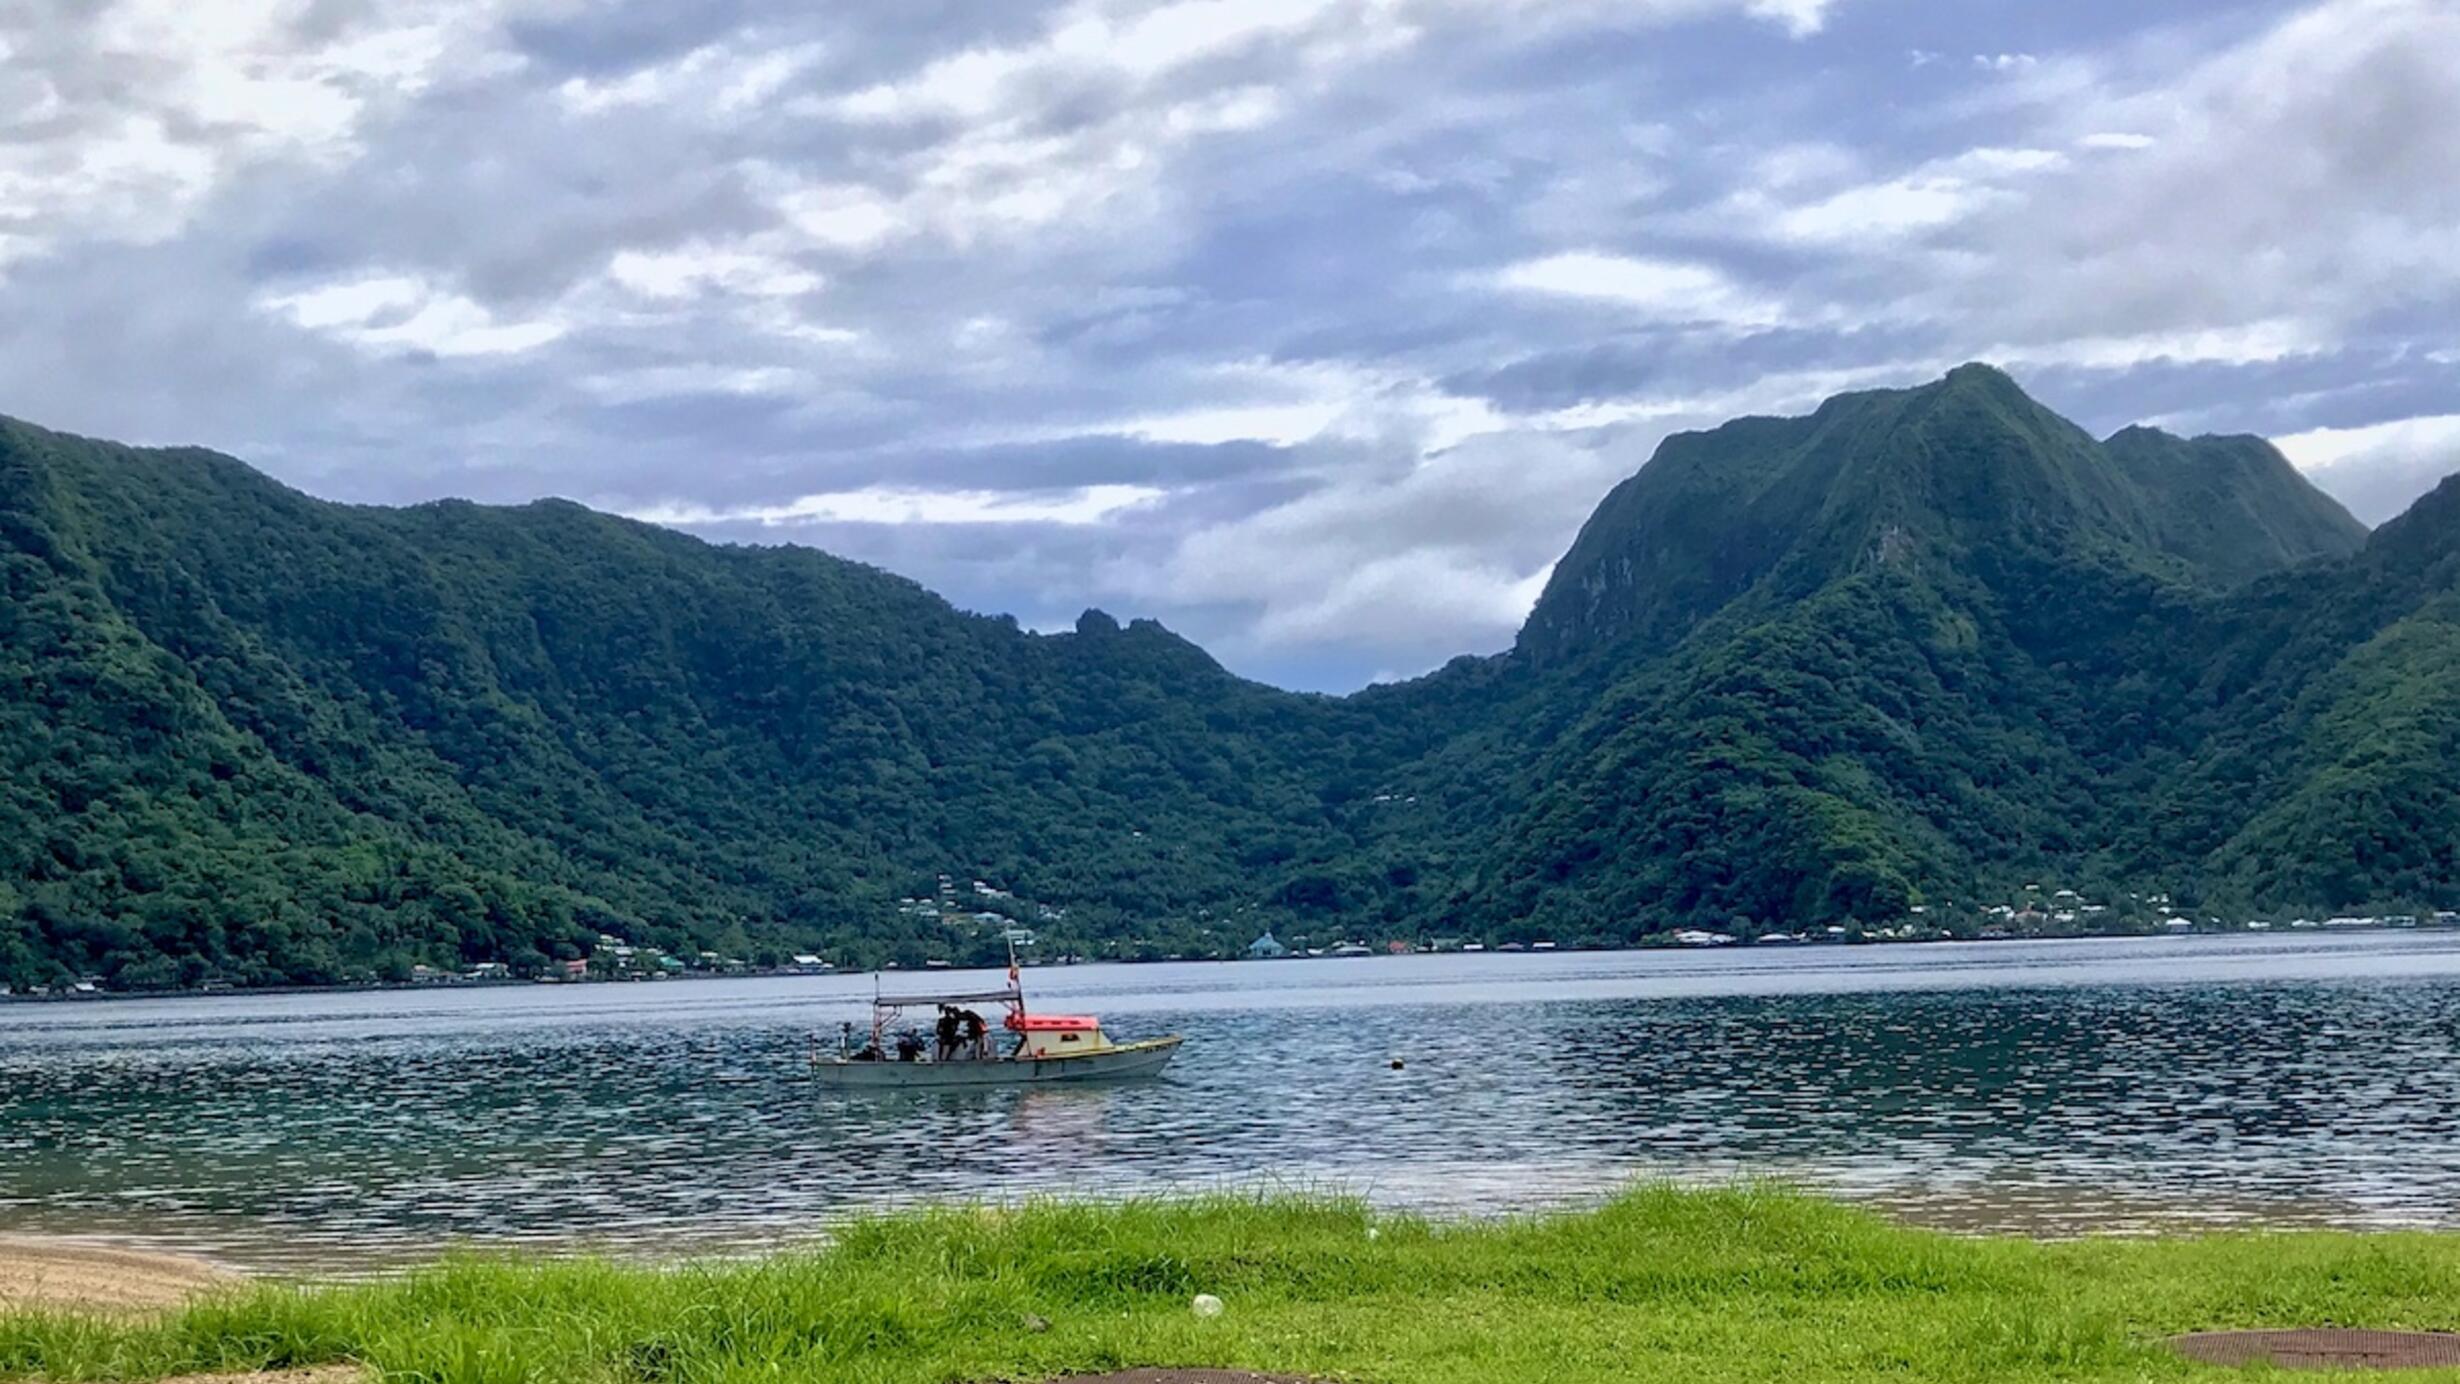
x=1039, y=1048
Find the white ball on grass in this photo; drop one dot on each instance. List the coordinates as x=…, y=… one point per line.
x=1207, y=1305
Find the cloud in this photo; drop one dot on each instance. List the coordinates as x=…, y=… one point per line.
x=2306, y=174
x=1090, y=504
x=128, y=116
x=1657, y=290
x=1404, y=564
x=2376, y=470
x=397, y=313
x=1311, y=326
x=2252, y=343
x=1801, y=18
x=1820, y=198
x=692, y=270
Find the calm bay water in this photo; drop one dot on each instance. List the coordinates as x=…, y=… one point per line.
x=2056, y=1087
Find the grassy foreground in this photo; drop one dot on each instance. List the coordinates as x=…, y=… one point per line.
x=1658, y=1285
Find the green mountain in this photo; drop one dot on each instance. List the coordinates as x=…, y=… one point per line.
x=1926, y=641
x=1916, y=646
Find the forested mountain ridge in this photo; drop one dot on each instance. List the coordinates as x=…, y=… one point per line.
x=1917, y=644
x=1967, y=461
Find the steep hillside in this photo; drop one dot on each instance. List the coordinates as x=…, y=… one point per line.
x=1913, y=647
x=2329, y=706
x=341, y=733
x=2232, y=506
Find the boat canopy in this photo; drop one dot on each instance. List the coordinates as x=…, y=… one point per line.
x=1054, y=1023
x=917, y=1001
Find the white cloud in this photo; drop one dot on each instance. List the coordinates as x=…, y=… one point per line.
x=2309, y=173
x=1801, y=18
x=1091, y=41
x=1279, y=424
x=892, y=505
x=2252, y=343
x=655, y=85
x=204, y=93
x=1443, y=557
x=1658, y=290
x=699, y=268
x=664, y=381
x=1010, y=155
x=1795, y=199
x=384, y=313
x=1880, y=211
x=720, y=80
x=2376, y=470
x=1285, y=404
x=841, y=216
x=1772, y=393
x=2321, y=449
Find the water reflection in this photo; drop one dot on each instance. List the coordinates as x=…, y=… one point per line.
x=2058, y=1087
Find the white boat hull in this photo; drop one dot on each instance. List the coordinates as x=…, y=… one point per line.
x=1126, y=1062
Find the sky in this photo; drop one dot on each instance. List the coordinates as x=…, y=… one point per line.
x=1312, y=328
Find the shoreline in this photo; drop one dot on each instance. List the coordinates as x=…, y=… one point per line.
x=450, y=986
x=177, y=1262
x=1659, y=1284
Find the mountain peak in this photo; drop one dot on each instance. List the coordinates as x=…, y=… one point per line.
x=1980, y=375
x=1963, y=464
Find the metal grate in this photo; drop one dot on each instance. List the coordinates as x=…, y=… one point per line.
x=2323, y=1349
x=1180, y=1376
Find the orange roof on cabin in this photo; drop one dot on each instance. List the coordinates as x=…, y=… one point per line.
x=1053, y=1023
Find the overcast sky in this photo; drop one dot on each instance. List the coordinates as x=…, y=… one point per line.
x=1312, y=327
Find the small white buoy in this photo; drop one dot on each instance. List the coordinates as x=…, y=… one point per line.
x=1207, y=1305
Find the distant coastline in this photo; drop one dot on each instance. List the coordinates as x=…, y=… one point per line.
x=1662, y=942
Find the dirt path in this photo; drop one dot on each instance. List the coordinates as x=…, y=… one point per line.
x=1181, y=1376
x=322, y=1374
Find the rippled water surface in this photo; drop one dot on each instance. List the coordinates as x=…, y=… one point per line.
x=2044, y=1087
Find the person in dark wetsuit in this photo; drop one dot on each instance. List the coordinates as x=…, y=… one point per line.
x=909, y=1047
x=975, y=1033
x=946, y=1032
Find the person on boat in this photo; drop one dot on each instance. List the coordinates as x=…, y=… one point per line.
x=977, y=1034
x=947, y=1034
x=909, y=1047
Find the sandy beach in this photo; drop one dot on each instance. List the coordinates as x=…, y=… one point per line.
x=86, y=1276
x=80, y=1276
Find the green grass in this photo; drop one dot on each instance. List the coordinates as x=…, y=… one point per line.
x=1657, y=1285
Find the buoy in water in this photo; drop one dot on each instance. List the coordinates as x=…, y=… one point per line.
x=1396, y=1064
